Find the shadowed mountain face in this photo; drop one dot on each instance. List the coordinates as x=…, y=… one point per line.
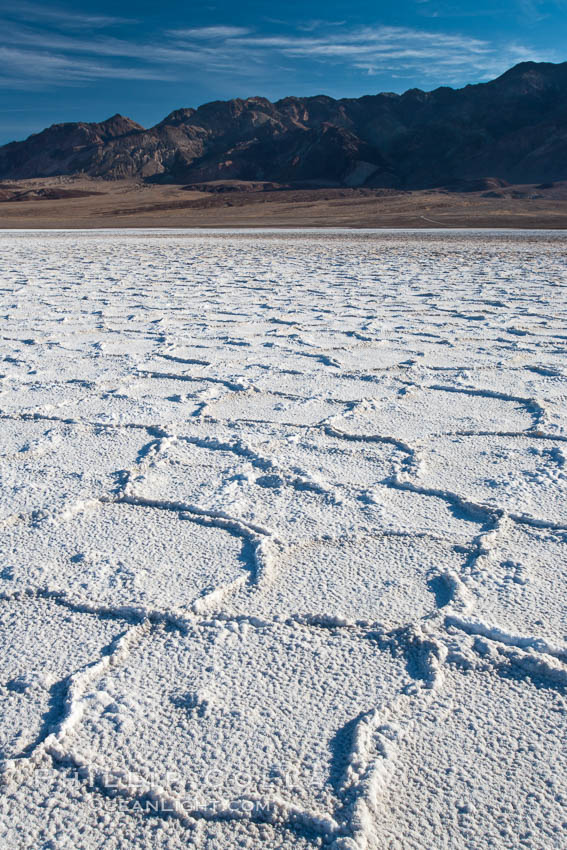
x=513, y=128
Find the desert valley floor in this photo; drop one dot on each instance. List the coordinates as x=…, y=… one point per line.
x=283, y=540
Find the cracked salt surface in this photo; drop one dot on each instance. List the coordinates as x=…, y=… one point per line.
x=283, y=540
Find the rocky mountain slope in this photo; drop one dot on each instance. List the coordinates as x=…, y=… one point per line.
x=513, y=128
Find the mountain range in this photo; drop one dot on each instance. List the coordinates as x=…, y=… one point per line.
x=513, y=129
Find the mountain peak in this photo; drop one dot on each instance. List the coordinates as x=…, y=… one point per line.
x=537, y=74
x=119, y=125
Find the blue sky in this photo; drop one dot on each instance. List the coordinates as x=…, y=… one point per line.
x=74, y=61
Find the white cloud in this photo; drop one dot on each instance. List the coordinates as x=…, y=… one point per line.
x=218, y=32
x=50, y=55
x=31, y=68
x=63, y=17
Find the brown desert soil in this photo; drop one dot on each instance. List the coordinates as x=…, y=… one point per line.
x=59, y=202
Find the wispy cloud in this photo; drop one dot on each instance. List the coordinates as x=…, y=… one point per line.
x=63, y=71
x=208, y=33
x=310, y=26
x=538, y=10
x=35, y=54
x=431, y=54
x=36, y=12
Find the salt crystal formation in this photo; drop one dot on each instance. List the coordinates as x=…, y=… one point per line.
x=283, y=528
